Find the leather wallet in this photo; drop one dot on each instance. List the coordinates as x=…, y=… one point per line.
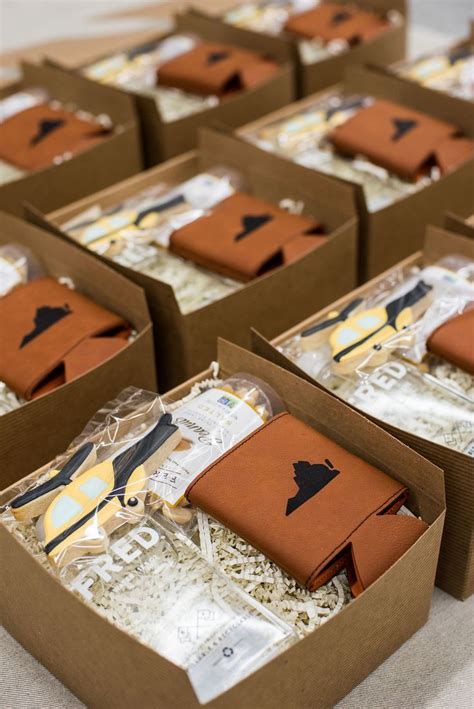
x=33, y=138
x=454, y=341
x=308, y=504
x=216, y=69
x=332, y=21
x=401, y=140
x=244, y=237
x=51, y=334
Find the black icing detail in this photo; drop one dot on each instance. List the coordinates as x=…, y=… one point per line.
x=310, y=478
x=133, y=502
x=45, y=127
x=124, y=465
x=250, y=223
x=215, y=57
x=402, y=127
x=46, y=316
x=62, y=478
x=393, y=310
x=343, y=315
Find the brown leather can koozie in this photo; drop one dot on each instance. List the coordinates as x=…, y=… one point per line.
x=454, y=341
x=308, y=504
x=216, y=69
x=403, y=141
x=33, y=138
x=43, y=328
x=243, y=237
x=330, y=21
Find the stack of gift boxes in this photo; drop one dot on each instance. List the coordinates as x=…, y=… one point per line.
x=236, y=387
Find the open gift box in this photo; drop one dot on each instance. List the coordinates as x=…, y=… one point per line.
x=74, y=641
x=317, y=67
x=166, y=135
x=186, y=341
x=40, y=426
x=116, y=155
x=452, y=446
x=392, y=211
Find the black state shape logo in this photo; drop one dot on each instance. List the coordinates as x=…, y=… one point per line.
x=46, y=316
x=45, y=128
x=216, y=57
x=310, y=478
x=402, y=127
x=339, y=17
x=251, y=222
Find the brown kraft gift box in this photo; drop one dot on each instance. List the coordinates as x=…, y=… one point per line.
x=384, y=49
x=392, y=233
x=456, y=564
x=75, y=643
x=458, y=223
x=163, y=140
x=118, y=156
x=187, y=343
x=47, y=424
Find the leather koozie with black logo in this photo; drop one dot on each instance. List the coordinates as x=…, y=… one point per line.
x=33, y=138
x=308, y=504
x=243, y=237
x=49, y=335
x=401, y=140
x=216, y=69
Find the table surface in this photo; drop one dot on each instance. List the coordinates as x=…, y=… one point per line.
x=435, y=668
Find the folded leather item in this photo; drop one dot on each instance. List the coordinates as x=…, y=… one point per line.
x=454, y=341
x=216, y=69
x=33, y=138
x=401, y=140
x=48, y=335
x=330, y=21
x=243, y=237
x=308, y=504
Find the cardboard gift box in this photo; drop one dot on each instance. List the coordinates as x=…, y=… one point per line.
x=185, y=343
x=44, y=425
x=75, y=643
x=395, y=231
x=383, y=49
x=118, y=156
x=456, y=565
x=165, y=139
x=460, y=223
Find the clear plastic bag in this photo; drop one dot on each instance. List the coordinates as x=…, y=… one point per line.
x=449, y=70
x=148, y=580
x=374, y=353
x=136, y=234
x=17, y=265
x=267, y=16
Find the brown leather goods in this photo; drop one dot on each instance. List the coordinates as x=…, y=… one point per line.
x=32, y=139
x=50, y=334
x=243, y=237
x=216, y=69
x=454, y=341
x=401, y=140
x=308, y=504
x=331, y=21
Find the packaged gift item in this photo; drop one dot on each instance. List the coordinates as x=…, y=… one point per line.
x=54, y=125
x=96, y=499
x=194, y=77
x=186, y=616
x=401, y=350
x=407, y=165
x=323, y=37
x=70, y=330
x=450, y=70
x=219, y=246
